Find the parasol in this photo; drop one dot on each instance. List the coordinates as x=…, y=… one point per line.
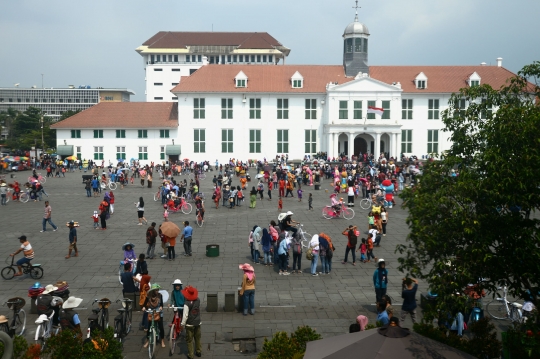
x=165, y=295
x=71, y=158
x=170, y=229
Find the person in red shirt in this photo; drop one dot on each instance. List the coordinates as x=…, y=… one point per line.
x=111, y=202
x=282, y=187
x=270, y=187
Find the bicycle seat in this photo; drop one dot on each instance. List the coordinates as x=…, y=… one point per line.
x=517, y=305
x=42, y=318
x=36, y=265
x=121, y=310
x=95, y=310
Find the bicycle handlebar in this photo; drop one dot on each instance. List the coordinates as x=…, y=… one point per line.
x=123, y=300
x=175, y=308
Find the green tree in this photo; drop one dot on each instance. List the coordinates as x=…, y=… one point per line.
x=67, y=114
x=477, y=225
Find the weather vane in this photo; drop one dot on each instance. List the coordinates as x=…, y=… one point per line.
x=356, y=7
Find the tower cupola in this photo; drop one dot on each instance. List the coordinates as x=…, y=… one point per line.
x=355, y=47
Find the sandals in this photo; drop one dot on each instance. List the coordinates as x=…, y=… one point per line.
x=17, y=274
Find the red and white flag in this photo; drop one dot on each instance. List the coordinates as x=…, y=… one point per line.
x=377, y=110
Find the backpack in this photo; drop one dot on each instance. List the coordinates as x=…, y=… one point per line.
x=297, y=248
x=354, y=241
x=148, y=236
x=309, y=253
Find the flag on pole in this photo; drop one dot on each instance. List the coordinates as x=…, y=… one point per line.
x=377, y=110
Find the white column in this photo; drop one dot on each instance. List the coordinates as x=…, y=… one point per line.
x=333, y=148
x=396, y=145
x=351, y=144
x=377, y=146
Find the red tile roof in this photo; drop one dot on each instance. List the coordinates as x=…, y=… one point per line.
x=262, y=78
x=175, y=40
x=440, y=79
x=124, y=115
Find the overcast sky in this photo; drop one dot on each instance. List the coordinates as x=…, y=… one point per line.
x=93, y=42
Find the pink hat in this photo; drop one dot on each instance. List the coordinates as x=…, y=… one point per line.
x=363, y=321
x=246, y=266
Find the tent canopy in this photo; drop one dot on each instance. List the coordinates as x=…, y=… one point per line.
x=173, y=150
x=65, y=150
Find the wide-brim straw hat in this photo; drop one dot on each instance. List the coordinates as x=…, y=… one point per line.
x=72, y=302
x=49, y=288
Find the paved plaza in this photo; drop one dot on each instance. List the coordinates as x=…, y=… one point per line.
x=328, y=303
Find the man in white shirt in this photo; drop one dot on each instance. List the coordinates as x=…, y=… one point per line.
x=376, y=237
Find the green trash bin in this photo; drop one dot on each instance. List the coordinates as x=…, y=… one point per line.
x=212, y=250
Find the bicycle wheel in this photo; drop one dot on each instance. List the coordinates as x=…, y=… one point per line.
x=127, y=322
x=42, y=179
x=36, y=272
x=306, y=239
x=186, y=208
x=365, y=203
x=8, y=273
x=497, y=310
x=151, y=343
x=118, y=330
x=24, y=197
x=157, y=196
x=172, y=339
x=112, y=186
x=327, y=212
x=348, y=213
x=20, y=322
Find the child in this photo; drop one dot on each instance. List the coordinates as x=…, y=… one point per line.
x=280, y=204
x=95, y=217
x=363, y=249
x=165, y=213
x=111, y=202
x=310, y=202
x=299, y=193
x=371, y=220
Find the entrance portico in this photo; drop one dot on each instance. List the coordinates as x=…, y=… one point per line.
x=353, y=140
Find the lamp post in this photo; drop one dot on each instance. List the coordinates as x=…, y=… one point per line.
x=36, y=157
x=42, y=141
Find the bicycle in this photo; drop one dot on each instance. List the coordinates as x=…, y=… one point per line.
x=102, y=313
x=306, y=237
x=18, y=323
x=153, y=333
x=122, y=322
x=34, y=270
x=24, y=196
x=176, y=329
x=501, y=308
x=45, y=329
x=112, y=185
x=200, y=221
x=9, y=194
x=157, y=196
x=329, y=212
x=40, y=179
x=367, y=203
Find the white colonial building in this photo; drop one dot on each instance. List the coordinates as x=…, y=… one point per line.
x=168, y=56
x=246, y=111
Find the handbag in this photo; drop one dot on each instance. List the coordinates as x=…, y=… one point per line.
x=214, y=196
x=309, y=253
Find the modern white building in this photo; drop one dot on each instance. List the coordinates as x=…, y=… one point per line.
x=169, y=56
x=250, y=112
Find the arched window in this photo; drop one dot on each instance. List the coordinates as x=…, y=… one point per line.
x=358, y=44
x=349, y=45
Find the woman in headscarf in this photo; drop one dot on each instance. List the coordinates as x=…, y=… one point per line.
x=248, y=288
x=266, y=242
x=314, y=244
x=177, y=298
x=154, y=301
x=256, y=236
x=253, y=197
x=217, y=196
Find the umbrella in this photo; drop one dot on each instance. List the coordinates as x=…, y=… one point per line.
x=24, y=158
x=395, y=343
x=260, y=175
x=165, y=295
x=170, y=229
x=120, y=160
x=71, y=158
x=133, y=159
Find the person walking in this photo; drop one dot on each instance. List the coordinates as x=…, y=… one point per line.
x=111, y=202
x=187, y=236
x=191, y=320
x=380, y=280
x=310, y=202
x=3, y=193
x=352, y=240
x=103, y=215
x=253, y=197
x=47, y=218
x=282, y=188
x=170, y=248
x=248, y=288
x=384, y=220
x=260, y=189
x=270, y=186
x=151, y=235
x=140, y=211
x=95, y=186
x=72, y=240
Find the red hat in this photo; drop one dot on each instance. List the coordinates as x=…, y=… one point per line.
x=190, y=293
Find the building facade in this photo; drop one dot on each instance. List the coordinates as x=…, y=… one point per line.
x=169, y=56
x=254, y=112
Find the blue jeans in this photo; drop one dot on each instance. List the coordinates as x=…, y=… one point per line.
x=4, y=200
x=268, y=257
x=45, y=220
x=347, y=250
x=23, y=260
x=88, y=192
x=314, y=263
x=325, y=264
x=249, y=301
x=256, y=255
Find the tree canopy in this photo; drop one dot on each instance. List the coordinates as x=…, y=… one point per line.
x=477, y=227
x=24, y=128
